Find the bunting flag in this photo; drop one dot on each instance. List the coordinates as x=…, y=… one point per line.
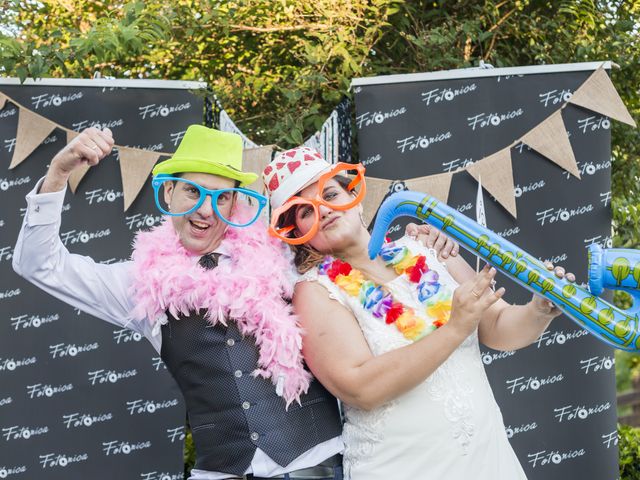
x=32, y=130
x=481, y=216
x=550, y=139
x=377, y=189
x=135, y=167
x=599, y=94
x=255, y=160
x=79, y=172
x=435, y=185
x=497, y=174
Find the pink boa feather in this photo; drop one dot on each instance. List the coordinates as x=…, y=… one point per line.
x=250, y=289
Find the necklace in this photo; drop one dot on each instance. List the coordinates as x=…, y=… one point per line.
x=376, y=299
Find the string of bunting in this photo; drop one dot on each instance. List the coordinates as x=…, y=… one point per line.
x=549, y=138
x=135, y=163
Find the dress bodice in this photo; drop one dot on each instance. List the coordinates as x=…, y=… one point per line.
x=443, y=428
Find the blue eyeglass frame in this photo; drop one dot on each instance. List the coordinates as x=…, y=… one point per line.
x=158, y=180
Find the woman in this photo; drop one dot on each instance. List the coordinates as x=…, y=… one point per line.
x=396, y=338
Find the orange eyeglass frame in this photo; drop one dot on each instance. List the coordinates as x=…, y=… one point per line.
x=282, y=233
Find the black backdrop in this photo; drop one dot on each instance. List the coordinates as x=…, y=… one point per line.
x=558, y=395
x=81, y=398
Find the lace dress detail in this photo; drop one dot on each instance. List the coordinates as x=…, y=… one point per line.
x=439, y=429
x=446, y=386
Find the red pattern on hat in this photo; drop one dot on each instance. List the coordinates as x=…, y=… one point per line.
x=292, y=166
x=274, y=183
x=275, y=174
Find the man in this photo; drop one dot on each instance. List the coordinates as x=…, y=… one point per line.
x=211, y=297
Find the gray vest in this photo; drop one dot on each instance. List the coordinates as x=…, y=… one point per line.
x=231, y=413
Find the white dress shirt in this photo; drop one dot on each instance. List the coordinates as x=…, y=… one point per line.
x=102, y=291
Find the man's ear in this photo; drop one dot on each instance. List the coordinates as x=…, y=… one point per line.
x=168, y=188
x=234, y=202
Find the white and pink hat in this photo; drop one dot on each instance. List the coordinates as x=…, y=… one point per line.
x=291, y=171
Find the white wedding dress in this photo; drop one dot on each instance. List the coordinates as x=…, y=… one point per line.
x=448, y=427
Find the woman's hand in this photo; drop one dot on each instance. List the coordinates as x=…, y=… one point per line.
x=471, y=300
x=541, y=304
x=431, y=237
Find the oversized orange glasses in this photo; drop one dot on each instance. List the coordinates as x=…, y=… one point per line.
x=283, y=217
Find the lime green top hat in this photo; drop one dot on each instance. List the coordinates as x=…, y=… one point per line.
x=206, y=150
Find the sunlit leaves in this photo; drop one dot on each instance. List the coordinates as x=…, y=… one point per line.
x=281, y=66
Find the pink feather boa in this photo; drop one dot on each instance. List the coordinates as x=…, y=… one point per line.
x=250, y=289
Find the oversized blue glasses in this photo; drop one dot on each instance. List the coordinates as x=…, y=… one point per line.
x=188, y=197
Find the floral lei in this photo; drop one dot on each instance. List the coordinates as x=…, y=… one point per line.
x=435, y=297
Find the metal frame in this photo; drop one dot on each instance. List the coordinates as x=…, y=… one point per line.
x=103, y=82
x=476, y=72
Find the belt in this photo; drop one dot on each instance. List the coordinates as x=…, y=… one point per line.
x=323, y=470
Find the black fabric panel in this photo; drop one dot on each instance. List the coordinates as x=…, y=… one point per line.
x=123, y=417
x=558, y=396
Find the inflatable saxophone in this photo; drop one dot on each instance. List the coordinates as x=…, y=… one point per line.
x=619, y=328
x=615, y=269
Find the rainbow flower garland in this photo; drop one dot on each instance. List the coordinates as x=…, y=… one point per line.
x=435, y=297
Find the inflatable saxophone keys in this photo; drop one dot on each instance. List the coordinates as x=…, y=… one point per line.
x=619, y=328
x=616, y=269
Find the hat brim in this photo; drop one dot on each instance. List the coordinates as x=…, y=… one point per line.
x=178, y=165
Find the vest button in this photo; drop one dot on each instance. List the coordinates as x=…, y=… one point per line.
x=231, y=342
x=246, y=405
x=238, y=373
x=255, y=436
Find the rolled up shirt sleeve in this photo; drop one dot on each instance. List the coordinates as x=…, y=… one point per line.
x=41, y=258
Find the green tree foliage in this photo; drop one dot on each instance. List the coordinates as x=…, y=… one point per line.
x=629, y=446
x=280, y=66
x=277, y=66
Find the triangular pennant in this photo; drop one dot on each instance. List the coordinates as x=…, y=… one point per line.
x=377, y=189
x=497, y=178
x=599, y=94
x=550, y=139
x=3, y=100
x=481, y=215
x=435, y=185
x=32, y=130
x=255, y=160
x=79, y=172
x=135, y=167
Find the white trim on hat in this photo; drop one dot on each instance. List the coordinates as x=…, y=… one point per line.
x=303, y=176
